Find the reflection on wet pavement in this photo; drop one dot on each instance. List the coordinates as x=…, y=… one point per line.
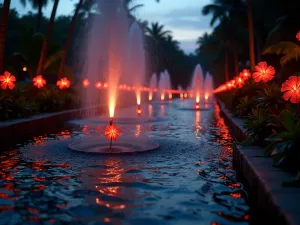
x=189, y=180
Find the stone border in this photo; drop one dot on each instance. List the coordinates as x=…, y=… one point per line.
x=270, y=202
x=16, y=129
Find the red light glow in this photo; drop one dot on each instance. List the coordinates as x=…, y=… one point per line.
x=7, y=81
x=63, y=83
x=298, y=36
x=98, y=85
x=139, y=110
x=38, y=81
x=85, y=83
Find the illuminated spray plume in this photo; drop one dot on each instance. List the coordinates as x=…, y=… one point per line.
x=153, y=84
x=161, y=86
x=197, y=83
x=136, y=60
x=180, y=92
x=208, y=87
x=106, y=54
x=164, y=85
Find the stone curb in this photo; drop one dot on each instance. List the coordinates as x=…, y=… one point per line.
x=270, y=202
x=16, y=129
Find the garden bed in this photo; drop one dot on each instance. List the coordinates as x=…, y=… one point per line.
x=270, y=201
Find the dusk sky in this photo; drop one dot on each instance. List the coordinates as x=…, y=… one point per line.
x=183, y=18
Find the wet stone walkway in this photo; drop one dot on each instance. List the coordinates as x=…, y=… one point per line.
x=188, y=181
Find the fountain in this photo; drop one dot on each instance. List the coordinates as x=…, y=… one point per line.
x=161, y=86
x=197, y=84
x=153, y=84
x=181, y=94
x=136, y=69
x=168, y=84
x=118, y=56
x=165, y=85
x=208, y=87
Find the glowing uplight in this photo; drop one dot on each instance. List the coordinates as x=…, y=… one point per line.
x=138, y=99
x=98, y=85
x=197, y=105
x=139, y=110
x=198, y=98
x=150, y=96
x=170, y=95
x=206, y=96
x=7, y=81
x=63, y=83
x=185, y=95
x=38, y=81
x=246, y=74
x=162, y=97
x=24, y=68
x=85, y=83
x=181, y=96
x=111, y=111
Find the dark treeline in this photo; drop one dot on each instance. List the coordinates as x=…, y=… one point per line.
x=26, y=35
x=226, y=50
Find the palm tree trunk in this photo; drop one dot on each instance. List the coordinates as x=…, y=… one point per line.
x=45, y=47
x=251, y=35
x=3, y=30
x=235, y=58
x=39, y=17
x=258, y=46
x=68, y=41
x=226, y=67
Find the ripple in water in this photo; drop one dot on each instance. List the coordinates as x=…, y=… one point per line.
x=190, y=180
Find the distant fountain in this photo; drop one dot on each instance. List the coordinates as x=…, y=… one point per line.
x=181, y=94
x=136, y=69
x=168, y=84
x=153, y=84
x=208, y=87
x=162, y=86
x=197, y=84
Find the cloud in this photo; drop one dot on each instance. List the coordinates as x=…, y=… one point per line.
x=189, y=46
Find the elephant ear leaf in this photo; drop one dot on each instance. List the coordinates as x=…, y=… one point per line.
x=289, y=50
x=288, y=120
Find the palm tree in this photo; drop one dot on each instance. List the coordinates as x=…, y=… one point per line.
x=171, y=42
x=68, y=41
x=156, y=36
x=227, y=12
x=156, y=31
x=215, y=50
x=251, y=35
x=45, y=47
x=39, y=5
x=3, y=30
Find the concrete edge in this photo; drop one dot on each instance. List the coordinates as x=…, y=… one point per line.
x=16, y=129
x=270, y=202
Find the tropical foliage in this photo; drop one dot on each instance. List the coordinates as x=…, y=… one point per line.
x=269, y=102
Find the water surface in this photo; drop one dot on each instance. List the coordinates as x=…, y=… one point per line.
x=188, y=181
